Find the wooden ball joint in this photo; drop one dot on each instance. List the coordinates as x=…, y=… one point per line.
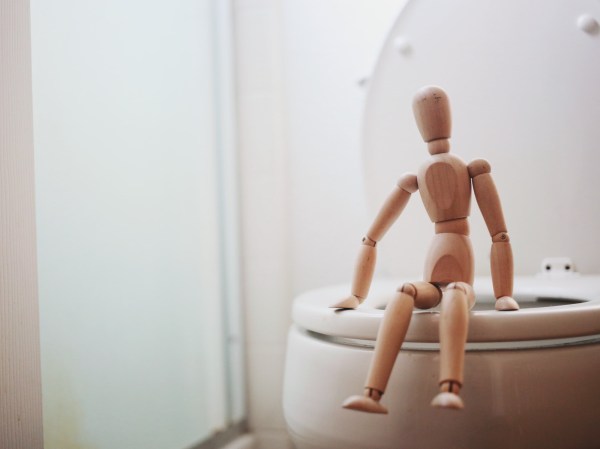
x=444, y=182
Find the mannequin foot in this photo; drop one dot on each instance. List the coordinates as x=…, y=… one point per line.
x=369, y=402
x=351, y=302
x=448, y=400
x=448, y=396
x=506, y=303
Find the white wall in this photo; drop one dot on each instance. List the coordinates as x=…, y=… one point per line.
x=298, y=64
x=331, y=48
x=264, y=211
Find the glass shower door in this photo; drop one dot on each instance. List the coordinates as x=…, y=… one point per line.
x=140, y=328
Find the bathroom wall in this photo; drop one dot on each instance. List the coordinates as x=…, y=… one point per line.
x=300, y=64
x=264, y=211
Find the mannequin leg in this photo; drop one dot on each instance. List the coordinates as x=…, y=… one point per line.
x=454, y=320
x=389, y=341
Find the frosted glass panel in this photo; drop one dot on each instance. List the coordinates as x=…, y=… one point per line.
x=131, y=265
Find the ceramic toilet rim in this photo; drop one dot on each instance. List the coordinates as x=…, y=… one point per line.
x=579, y=320
x=470, y=346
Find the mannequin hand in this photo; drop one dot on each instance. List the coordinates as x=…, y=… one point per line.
x=350, y=302
x=506, y=303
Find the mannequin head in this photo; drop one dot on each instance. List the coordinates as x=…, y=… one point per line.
x=431, y=108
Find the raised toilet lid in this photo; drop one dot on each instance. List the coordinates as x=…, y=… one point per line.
x=523, y=84
x=566, y=309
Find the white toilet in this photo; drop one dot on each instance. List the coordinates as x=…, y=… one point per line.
x=532, y=377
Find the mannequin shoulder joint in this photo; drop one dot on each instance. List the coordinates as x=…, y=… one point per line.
x=408, y=182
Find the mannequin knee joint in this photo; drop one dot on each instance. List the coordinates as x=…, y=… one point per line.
x=409, y=289
x=466, y=289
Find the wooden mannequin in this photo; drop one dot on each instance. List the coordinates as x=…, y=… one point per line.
x=444, y=182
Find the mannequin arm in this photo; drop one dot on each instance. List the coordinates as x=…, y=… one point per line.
x=501, y=258
x=365, y=264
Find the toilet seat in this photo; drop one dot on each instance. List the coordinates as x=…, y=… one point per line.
x=573, y=317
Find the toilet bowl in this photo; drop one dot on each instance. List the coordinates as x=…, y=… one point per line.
x=531, y=377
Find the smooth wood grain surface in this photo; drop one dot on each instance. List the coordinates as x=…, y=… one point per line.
x=389, y=213
x=389, y=340
x=365, y=265
x=431, y=109
x=445, y=187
